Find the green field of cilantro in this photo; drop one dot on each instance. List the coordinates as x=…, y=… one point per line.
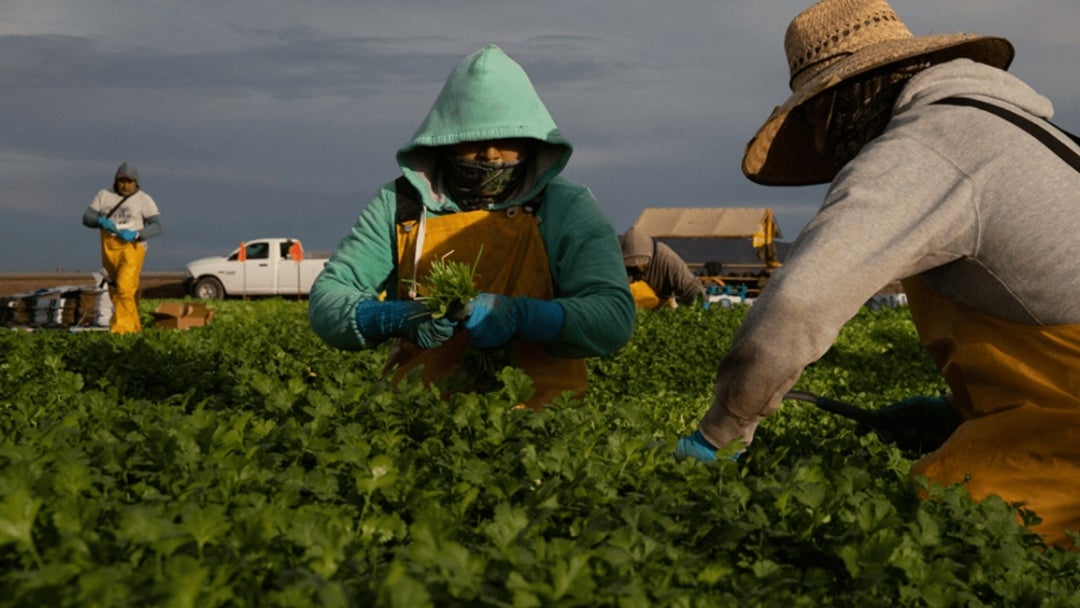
x=247, y=464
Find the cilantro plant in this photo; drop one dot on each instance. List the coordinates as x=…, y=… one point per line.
x=248, y=464
x=449, y=287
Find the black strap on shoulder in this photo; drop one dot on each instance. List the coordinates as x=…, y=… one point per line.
x=408, y=209
x=1056, y=145
x=117, y=207
x=408, y=201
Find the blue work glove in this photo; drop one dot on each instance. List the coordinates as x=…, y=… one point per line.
x=408, y=319
x=129, y=236
x=106, y=224
x=695, y=446
x=919, y=424
x=494, y=319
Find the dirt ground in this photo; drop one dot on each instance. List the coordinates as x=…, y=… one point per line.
x=151, y=284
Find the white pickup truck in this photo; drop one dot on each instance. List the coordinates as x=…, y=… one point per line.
x=264, y=267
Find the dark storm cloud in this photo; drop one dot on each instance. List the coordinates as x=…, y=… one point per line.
x=253, y=118
x=290, y=64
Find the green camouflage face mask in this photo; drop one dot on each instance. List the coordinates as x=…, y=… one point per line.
x=474, y=184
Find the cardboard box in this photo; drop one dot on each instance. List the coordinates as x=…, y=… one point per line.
x=182, y=315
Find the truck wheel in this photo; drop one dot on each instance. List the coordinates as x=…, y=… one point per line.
x=208, y=288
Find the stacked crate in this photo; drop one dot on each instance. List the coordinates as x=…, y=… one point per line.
x=59, y=307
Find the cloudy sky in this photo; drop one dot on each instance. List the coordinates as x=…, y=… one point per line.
x=251, y=118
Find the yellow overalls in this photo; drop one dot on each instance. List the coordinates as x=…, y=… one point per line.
x=1017, y=390
x=513, y=262
x=123, y=262
x=644, y=296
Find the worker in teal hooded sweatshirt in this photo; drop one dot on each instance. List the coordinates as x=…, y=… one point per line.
x=480, y=186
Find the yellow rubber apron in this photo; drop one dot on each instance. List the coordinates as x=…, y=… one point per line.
x=123, y=262
x=513, y=262
x=1017, y=390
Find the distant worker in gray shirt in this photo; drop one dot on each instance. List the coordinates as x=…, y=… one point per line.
x=126, y=217
x=658, y=276
x=944, y=173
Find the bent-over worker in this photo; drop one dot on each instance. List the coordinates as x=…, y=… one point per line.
x=930, y=187
x=658, y=276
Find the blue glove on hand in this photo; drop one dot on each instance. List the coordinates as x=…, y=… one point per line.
x=129, y=236
x=408, y=319
x=106, y=224
x=494, y=319
x=695, y=446
x=918, y=424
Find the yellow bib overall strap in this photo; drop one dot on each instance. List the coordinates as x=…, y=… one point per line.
x=513, y=262
x=123, y=262
x=644, y=296
x=1017, y=390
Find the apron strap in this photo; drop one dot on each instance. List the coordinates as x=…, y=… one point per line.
x=409, y=209
x=1067, y=154
x=117, y=207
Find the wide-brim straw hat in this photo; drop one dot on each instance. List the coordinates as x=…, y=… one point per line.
x=829, y=43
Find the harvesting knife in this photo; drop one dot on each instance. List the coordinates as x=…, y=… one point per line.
x=871, y=419
x=923, y=433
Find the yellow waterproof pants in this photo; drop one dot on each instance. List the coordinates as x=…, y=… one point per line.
x=123, y=262
x=644, y=296
x=513, y=262
x=1017, y=393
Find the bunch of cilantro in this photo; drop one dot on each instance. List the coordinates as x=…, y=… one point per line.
x=448, y=289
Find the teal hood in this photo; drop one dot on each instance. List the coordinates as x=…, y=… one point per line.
x=487, y=96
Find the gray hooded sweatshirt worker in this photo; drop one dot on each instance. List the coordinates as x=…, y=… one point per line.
x=982, y=211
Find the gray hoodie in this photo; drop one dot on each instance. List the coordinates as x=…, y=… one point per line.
x=980, y=209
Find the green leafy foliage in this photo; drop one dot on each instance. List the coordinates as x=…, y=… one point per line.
x=247, y=464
